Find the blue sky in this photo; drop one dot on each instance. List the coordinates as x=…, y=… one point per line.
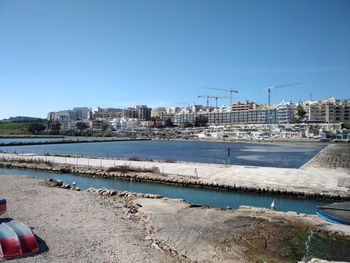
x=60, y=54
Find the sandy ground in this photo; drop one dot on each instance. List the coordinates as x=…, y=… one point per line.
x=76, y=226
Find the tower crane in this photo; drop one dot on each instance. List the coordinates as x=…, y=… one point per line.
x=226, y=90
x=278, y=87
x=211, y=97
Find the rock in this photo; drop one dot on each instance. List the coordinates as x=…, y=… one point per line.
x=156, y=246
x=54, y=183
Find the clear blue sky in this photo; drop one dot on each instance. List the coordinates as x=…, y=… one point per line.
x=60, y=54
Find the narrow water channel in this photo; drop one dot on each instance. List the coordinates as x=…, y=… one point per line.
x=194, y=195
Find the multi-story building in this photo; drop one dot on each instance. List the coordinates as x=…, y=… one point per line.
x=81, y=113
x=329, y=110
x=163, y=114
x=51, y=116
x=107, y=113
x=123, y=123
x=285, y=112
x=259, y=116
x=129, y=113
x=244, y=105
x=143, y=112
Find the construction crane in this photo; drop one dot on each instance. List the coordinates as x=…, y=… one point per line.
x=226, y=90
x=278, y=87
x=211, y=97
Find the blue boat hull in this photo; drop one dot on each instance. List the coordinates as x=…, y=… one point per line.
x=338, y=213
x=331, y=219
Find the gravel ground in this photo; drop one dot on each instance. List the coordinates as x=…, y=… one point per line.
x=76, y=226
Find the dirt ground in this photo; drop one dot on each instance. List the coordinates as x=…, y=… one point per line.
x=90, y=226
x=76, y=226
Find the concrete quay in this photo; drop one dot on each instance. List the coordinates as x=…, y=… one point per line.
x=313, y=180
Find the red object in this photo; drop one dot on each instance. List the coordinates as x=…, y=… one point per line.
x=16, y=239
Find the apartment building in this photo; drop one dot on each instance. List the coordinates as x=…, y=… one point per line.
x=258, y=116
x=330, y=110
x=285, y=112
x=244, y=105
x=107, y=113
x=163, y=114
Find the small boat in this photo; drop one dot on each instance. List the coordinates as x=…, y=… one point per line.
x=16, y=239
x=338, y=213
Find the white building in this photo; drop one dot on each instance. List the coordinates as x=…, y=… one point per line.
x=285, y=112
x=124, y=123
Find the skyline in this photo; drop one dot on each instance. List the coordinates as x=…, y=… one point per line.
x=63, y=54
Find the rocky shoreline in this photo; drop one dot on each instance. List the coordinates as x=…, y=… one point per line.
x=152, y=213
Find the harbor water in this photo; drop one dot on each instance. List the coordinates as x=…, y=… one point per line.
x=250, y=154
x=194, y=195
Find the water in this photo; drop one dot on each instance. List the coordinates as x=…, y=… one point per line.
x=193, y=195
x=268, y=155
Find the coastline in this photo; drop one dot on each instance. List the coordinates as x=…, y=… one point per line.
x=314, y=180
x=98, y=226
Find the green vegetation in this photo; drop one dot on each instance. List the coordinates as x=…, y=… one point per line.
x=169, y=123
x=21, y=127
x=200, y=121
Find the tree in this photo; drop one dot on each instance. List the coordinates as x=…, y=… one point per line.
x=169, y=123
x=104, y=126
x=54, y=127
x=81, y=126
x=36, y=127
x=188, y=124
x=200, y=121
x=300, y=111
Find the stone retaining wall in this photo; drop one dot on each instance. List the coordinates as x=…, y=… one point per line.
x=167, y=179
x=333, y=156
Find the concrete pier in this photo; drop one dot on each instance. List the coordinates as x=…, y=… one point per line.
x=313, y=179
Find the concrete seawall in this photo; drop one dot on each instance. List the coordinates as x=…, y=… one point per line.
x=312, y=180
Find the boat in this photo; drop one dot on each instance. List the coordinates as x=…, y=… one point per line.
x=338, y=213
x=16, y=239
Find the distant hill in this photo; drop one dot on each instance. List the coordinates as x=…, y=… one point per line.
x=22, y=118
x=19, y=125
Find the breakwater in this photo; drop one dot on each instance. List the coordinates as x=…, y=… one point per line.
x=333, y=156
x=153, y=174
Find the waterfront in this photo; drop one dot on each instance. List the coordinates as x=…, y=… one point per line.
x=193, y=195
x=250, y=154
